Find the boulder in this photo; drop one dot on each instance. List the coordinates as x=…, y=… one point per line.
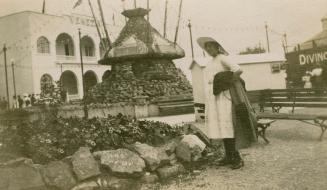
x=58, y=174
x=167, y=172
x=121, y=162
x=108, y=182
x=149, y=178
x=190, y=148
x=153, y=157
x=170, y=146
x=173, y=159
x=84, y=164
x=20, y=174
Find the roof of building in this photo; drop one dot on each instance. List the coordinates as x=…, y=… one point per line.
x=27, y=12
x=257, y=58
x=239, y=59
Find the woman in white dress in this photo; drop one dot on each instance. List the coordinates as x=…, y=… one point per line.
x=218, y=109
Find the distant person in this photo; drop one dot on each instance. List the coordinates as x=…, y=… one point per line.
x=2, y=107
x=4, y=103
x=28, y=101
x=226, y=111
x=316, y=73
x=33, y=100
x=15, y=102
x=307, y=80
x=20, y=101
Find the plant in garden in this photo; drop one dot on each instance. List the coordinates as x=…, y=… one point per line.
x=56, y=138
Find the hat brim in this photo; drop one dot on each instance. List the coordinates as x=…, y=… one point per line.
x=203, y=40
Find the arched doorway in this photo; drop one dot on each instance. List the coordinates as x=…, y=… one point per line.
x=69, y=82
x=106, y=75
x=90, y=79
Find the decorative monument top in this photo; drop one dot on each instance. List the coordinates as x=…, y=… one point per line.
x=139, y=40
x=138, y=12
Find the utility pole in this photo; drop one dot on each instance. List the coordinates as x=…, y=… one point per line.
x=86, y=115
x=13, y=76
x=97, y=26
x=284, y=47
x=148, y=7
x=285, y=40
x=61, y=85
x=266, y=26
x=135, y=6
x=179, y=18
x=104, y=25
x=191, y=37
x=165, y=20
x=7, y=88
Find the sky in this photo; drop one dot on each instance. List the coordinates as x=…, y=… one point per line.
x=236, y=24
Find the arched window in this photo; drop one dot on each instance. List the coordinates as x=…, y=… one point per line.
x=43, y=45
x=87, y=46
x=64, y=45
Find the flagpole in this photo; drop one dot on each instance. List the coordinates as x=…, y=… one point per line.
x=97, y=27
x=43, y=7
x=148, y=7
x=165, y=19
x=179, y=18
x=104, y=25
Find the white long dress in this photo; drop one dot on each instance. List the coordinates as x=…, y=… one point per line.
x=218, y=109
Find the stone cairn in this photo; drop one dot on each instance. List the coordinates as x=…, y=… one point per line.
x=141, y=62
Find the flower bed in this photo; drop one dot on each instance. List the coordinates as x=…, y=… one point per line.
x=56, y=138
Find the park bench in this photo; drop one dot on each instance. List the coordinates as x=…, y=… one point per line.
x=279, y=98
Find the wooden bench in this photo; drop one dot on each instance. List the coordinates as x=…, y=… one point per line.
x=279, y=98
x=316, y=120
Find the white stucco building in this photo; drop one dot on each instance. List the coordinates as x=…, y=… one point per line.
x=45, y=48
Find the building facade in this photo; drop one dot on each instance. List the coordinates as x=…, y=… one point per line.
x=43, y=49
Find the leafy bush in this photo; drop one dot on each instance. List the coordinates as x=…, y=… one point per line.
x=57, y=138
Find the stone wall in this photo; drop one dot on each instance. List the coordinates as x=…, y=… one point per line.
x=120, y=169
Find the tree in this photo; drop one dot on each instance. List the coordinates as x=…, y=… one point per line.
x=255, y=50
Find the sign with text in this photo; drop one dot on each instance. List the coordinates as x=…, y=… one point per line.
x=308, y=57
x=313, y=58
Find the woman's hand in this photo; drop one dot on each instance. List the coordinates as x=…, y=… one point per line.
x=237, y=74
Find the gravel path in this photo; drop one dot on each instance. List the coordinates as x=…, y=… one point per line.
x=294, y=159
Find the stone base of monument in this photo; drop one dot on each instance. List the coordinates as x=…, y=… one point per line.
x=175, y=105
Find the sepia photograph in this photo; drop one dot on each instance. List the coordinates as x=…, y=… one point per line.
x=163, y=94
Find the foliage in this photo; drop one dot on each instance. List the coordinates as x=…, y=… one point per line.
x=57, y=138
x=255, y=50
x=51, y=94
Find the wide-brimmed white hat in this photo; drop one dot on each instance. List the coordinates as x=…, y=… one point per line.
x=203, y=40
